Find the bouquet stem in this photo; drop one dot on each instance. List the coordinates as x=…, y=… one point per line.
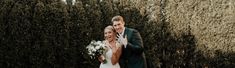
x=104, y=60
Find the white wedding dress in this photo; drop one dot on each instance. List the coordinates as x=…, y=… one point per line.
x=109, y=64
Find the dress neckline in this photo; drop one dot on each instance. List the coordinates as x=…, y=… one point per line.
x=110, y=44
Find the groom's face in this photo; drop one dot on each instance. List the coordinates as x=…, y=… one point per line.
x=118, y=26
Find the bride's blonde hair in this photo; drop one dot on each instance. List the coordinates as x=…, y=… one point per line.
x=111, y=28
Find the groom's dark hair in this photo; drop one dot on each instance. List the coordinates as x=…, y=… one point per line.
x=117, y=18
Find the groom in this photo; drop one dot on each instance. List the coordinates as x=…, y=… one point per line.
x=132, y=50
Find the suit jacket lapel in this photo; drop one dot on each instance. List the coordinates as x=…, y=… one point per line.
x=127, y=33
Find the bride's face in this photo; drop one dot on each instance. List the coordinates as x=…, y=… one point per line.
x=109, y=35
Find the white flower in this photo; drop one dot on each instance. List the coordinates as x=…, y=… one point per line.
x=97, y=47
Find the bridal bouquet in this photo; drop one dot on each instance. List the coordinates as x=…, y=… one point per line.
x=96, y=49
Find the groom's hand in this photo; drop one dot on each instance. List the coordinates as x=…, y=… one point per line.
x=123, y=40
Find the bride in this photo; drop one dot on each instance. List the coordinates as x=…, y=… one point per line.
x=114, y=49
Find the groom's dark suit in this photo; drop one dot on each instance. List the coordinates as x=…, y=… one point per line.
x=132, y=56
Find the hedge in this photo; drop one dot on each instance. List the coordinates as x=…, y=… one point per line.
x=51, y=34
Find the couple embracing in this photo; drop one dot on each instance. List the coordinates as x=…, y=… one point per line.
x=125, y=46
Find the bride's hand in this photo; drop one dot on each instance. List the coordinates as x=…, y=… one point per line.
x=101, y=58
